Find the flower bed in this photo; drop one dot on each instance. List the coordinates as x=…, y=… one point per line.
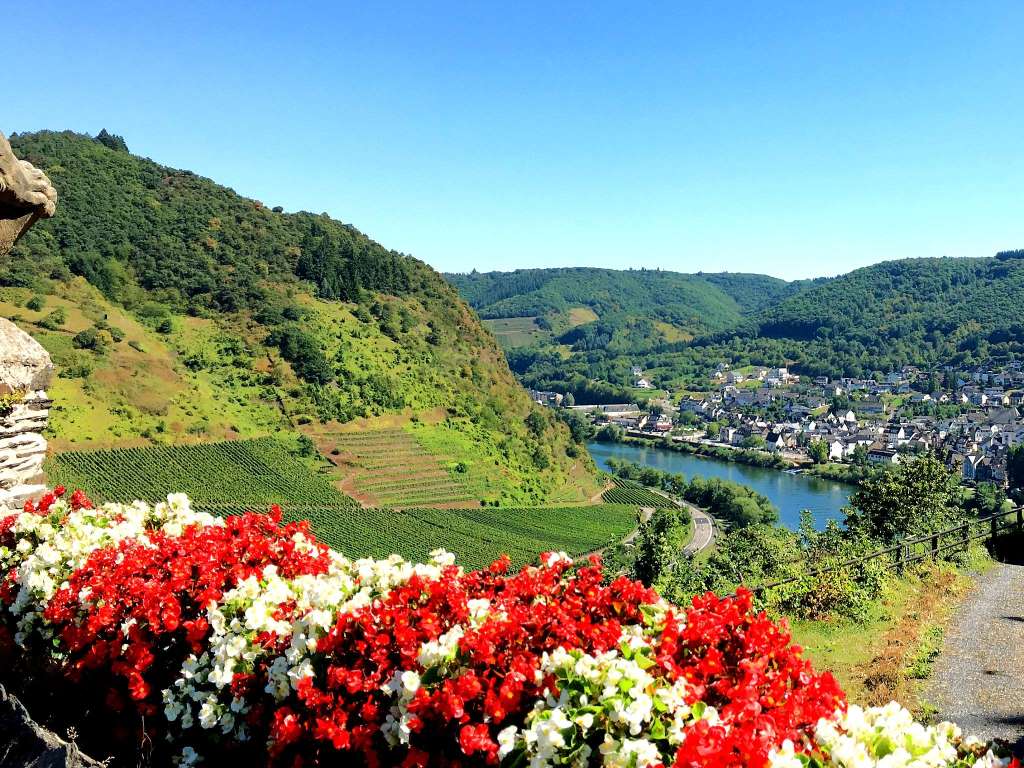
x=247, y=638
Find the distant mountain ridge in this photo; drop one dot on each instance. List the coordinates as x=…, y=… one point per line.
x=693, y=302
x=928, y=312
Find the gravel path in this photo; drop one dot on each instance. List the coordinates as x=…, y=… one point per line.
x=978, y=680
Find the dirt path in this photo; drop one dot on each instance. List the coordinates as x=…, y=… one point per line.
x=978, y=681
x=645, y=515
x=596, y=498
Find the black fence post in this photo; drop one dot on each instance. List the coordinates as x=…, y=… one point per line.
x=899, y=557
x=967, y=535
x=995, y=527
x=935, y=546
x=1020, y=519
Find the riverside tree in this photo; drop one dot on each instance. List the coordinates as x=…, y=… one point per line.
x=917, y=496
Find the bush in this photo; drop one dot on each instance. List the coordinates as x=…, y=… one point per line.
x=36, y=303
x=55, y=320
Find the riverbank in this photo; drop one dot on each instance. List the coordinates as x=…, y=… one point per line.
x=750, y=456
x=790, y=493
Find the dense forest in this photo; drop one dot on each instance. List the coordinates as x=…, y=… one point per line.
x=694, y=303
x=172, y=305
x=927, y=312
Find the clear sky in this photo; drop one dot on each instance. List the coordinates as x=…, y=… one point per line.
x=792, y=138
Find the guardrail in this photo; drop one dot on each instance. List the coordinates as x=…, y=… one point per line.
x=927, y=546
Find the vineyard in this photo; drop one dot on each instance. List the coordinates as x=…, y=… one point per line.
x=476, y=536
x=389, y=468
x=234, y=477
x=250, y=473
x=630, y=492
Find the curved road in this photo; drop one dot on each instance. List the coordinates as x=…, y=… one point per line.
x=703, y=526
x=703, y=531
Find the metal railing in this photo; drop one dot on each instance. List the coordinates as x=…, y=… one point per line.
x=915, y=549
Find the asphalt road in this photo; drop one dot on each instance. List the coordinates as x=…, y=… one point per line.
x=703, y=526
x=703, y=531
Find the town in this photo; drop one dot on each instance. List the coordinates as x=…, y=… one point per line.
x=968, y=417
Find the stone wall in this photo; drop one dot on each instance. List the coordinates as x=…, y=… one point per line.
x=26, y=195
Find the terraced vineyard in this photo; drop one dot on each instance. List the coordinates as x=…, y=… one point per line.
x=630, y=492
x=234, y=477
x=389, y=468
x=250, y=473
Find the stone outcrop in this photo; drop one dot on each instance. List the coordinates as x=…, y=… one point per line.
x=26, y=744
x=26, y=196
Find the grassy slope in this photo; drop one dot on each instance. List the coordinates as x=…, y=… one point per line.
x=883, y=657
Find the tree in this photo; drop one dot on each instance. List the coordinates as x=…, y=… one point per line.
x=610, y=433
x=818, y=451
x=917, y=496
x=111, y=141
x=579, y=425
x=860, y=455
x=569, y=400
x=755, y=442
x=536, y=422
x=1015, y=466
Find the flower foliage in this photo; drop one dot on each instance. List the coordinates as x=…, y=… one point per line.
x=245, y=635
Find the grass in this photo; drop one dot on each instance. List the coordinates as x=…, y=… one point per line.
x=514, y=332
x=919, y=667
x=389, y=467
x=629, y=492
x=140, y=390
x=672, y=333
x=579, y=316
x=886, y=655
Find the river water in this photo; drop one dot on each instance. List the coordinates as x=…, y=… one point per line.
x=790, y=493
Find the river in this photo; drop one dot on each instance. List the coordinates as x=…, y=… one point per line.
x=790, y=493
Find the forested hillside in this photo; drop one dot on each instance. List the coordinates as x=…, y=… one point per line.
x=926, y=312
x=581, y=330
x=175, y=309
x=922, y=311
x=693, y=303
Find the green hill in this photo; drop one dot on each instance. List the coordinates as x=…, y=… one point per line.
x=582, y=330
x=689, y=302
x=914, y=311
x=918, y=311
x=179, y=311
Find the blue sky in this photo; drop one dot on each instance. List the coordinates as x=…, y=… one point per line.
x=795, y=139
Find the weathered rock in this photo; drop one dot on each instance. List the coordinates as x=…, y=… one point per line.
x=26, y=744
x=22, y=448
x=26, y=195
x=24, y=364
